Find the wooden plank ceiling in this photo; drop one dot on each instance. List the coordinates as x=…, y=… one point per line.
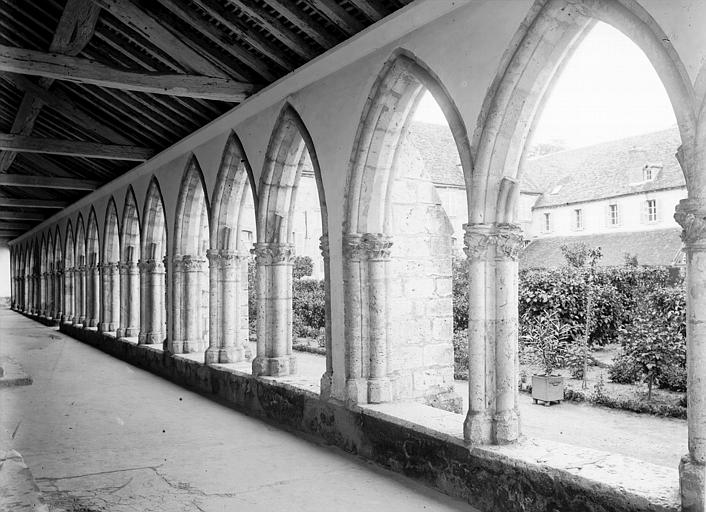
x=89, y=87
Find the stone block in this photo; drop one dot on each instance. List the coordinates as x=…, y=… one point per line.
x=439, y=307
x=443, y=287
x=404, y=357
x=438, y=354
x=419, y=287
x=442, y=329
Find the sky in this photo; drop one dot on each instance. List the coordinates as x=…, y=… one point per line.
x=608, y=90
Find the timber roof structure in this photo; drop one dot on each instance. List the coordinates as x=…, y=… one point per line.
x=89, y=88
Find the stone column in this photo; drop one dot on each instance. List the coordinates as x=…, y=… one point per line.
x=104, y=323
x=377, y=247
x=327, y=377
x=155, y=327
x=225, y=345
x=274, y=310
x=145, y=284
x=691, y=215
x=508, y=242
x=82, y=301
x=43, y=294
x=192, y=266
x=114, y=297
x=477, y=427
x=49, y=293
x=175, y=343
x=355, y=317
x=132, y=327
x=123, y=269
x=68, y=295
x=59, y=293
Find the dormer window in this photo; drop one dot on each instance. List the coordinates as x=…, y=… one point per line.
x=650, y=171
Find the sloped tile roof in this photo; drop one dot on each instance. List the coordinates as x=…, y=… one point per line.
x=605, y=170
x=655, y=247
x=438, y=150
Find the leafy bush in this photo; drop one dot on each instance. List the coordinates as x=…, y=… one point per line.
x=459, y=290
x=309, y=305
x=655, y=341
x=460, y=343
x=545, y=340
x=624, y=370
x=573, y=360
x=303, y=266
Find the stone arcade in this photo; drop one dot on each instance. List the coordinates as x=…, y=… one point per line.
x=152, y=267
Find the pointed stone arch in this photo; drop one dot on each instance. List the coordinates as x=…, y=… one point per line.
x=48, y=277
x=43, y=265
x=190, y=291
x=373, y=361
x=153, y=314
x=93, y=295
x=110, y=272
x=289, y=152
x=58, y=276
x=234, y=198
x=80, y=273
x=69, y=269
x=129, y=273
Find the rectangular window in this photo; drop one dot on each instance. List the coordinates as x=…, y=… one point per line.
x=578, y=219
x=651, y=210
x=613, y=217
x=648, y=173
x=547, y=222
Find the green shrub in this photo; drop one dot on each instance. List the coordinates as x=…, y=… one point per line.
x=309, y=306
x=460, y=343
x=624, y=370
x=303, y=266
x=459, y=282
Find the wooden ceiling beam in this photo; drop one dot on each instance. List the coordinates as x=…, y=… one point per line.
x=275, y=27
x=12, y=226
x=25, y=181
x=371, y=9
x=75, y=29
x=31, y=203
x=23, y=143
x=61, y=103
x=44, y=164
x=303, y=21
x=246, y=33
x=222, y=40
x=338, y=16
x=150, y=28
x=21, y=215
x=74, y=69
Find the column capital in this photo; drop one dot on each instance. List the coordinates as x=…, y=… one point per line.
x=150, y=265
x=192, y=263
x=691, y=216
x=109, y=266
x=377, y=246
x=273, y=253
x=324, y=246
x=505, y=238
x=352, y=247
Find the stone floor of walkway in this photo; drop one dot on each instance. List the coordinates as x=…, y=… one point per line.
x=101, y=435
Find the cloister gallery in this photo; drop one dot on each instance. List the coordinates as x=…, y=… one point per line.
x=152, y=266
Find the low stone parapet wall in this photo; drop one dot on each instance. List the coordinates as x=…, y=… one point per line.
x=423, y=443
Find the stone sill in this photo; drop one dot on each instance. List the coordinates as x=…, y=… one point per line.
x=421, y=442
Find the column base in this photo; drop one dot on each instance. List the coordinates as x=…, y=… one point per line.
x=173, y=346
x=225, y=355
x=274, y=366
x=103, y=327
x=326, y=384
x=692, y=485
x=356, y=391
x=131, y=332
x=506, y=427
x=478, y=427
x=120, y=332
x=190, y=346
x=92, y=322
x=82, y=320
x=379, y=391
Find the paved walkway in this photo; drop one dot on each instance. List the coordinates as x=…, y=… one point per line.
x=101, y=435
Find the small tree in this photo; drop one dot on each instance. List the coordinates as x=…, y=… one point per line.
x=545, y=340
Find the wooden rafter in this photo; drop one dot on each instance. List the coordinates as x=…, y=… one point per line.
x=22, y=180
x=24, y=143
x=150, y=28
x=370, y=8
x=21, y=215
x=31, y=203
x=64, y=106
x=75, y=29
x=338, y=15
x=300, y=19
x=74, y=69
x=15, y=226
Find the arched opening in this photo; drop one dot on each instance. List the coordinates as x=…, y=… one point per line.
x=49, y=277
x=153, y=313
x=283, y=186
x=93, y=292
x=80, y=274
x=190, y=285
x=58, y=276
x=110, y=272
x=69, y=270
x=547, y=39
x=398, y=244
x=232, y=238
x=43, y=277
x=129, y=273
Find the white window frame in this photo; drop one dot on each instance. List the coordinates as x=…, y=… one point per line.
x=651, y=209
x=613, y=215
x=547, y=222
x=577, y=221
